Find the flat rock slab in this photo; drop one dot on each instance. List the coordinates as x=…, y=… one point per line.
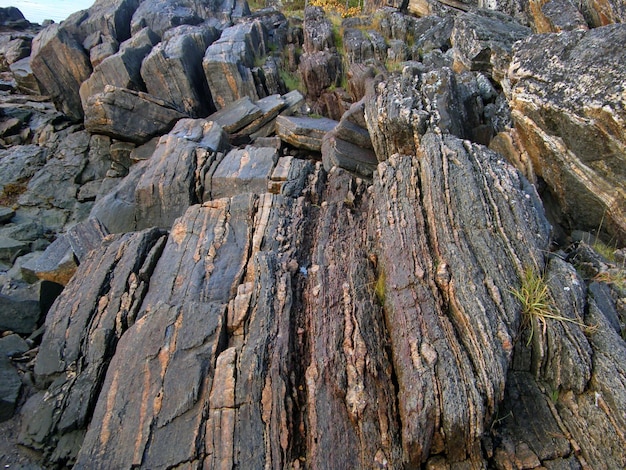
x=86, y=236
x=56, y=264
x=236, y=115
x=128, y=115
x=336, y=151
x=244, y=171
x=304, y=132
x=6, y=214
x=10, y=248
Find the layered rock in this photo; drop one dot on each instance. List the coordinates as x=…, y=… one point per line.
x=173, y=69
x=61, y=65
x=569, y=113
x=228, y=62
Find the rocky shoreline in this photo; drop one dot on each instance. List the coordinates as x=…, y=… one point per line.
x=235, y=238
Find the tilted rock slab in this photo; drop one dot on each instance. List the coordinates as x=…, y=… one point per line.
x=128, y=115
x=60, y=65
x=99, y=303
x=121, y=69
x=173, y=69
x=157, y=190
x=228, y=62
x=567, y=101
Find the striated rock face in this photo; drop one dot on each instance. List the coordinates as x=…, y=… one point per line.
x=60, y=64
x=256, y=286
x=568, y=105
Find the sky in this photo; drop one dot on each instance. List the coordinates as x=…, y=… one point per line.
x=36, y=11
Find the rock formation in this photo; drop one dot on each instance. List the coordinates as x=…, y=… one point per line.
x=202, y=266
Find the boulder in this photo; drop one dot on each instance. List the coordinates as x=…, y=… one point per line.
x=19, y=163
x=161, y=15
x=243, y=171
x=107, y=17
x=13, y=18
x=319, y=71
x=24, y=77
x=228, y=62
x=122, y=69
x=571, y=127
x=10, y=248
x=554, y=16
x=601, y=13
x=13, y=49
x=60, y=65
x=114, y=113
x=56, y=182
x=318, y=30
x=57, y=264
x=304, y=132
x=20, y=308
x=6, y=214
x=236, y=115
x=173, y=70
x=483, y=40
x=336, y=151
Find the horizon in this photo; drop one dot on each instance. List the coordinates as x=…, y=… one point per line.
x=36, y=11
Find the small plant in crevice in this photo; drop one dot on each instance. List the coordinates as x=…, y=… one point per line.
x=11, y=192
x=537, y=305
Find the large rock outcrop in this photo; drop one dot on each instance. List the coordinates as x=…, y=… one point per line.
x=567, y=101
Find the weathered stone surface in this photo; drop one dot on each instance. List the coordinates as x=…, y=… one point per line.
x=603, y=12
x=10, y=248
x=351, y=409
x=161, y=15
x=13, y=49
x=304, y=132
x=24, y=78
x=56, y=264
x=12, y=17
x=56, y=183
x=20, y=309
x=483, y=41
x=173, y=70
x=114, y=113
x=10, y=386
x=174, y=179
x=112, y=283
x=86, y=236
x=320, y=70
x=236, y=115
x=431, y=419
x=554, y=16
x=159, y=190
x=242, y=171
x=20, y=163
x=61, y=65
x=336, y=151
x=569, y=112
x=404, y=107
x=318, y=30
x=122, y=69
x=228, y=61
x=107, y=17
x=6, y=214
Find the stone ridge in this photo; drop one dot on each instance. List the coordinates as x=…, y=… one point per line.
x=233, y=239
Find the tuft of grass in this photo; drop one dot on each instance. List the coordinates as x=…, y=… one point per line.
x=291, y=81
x=11, y=192
x=534, y=295
x=604, y=250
